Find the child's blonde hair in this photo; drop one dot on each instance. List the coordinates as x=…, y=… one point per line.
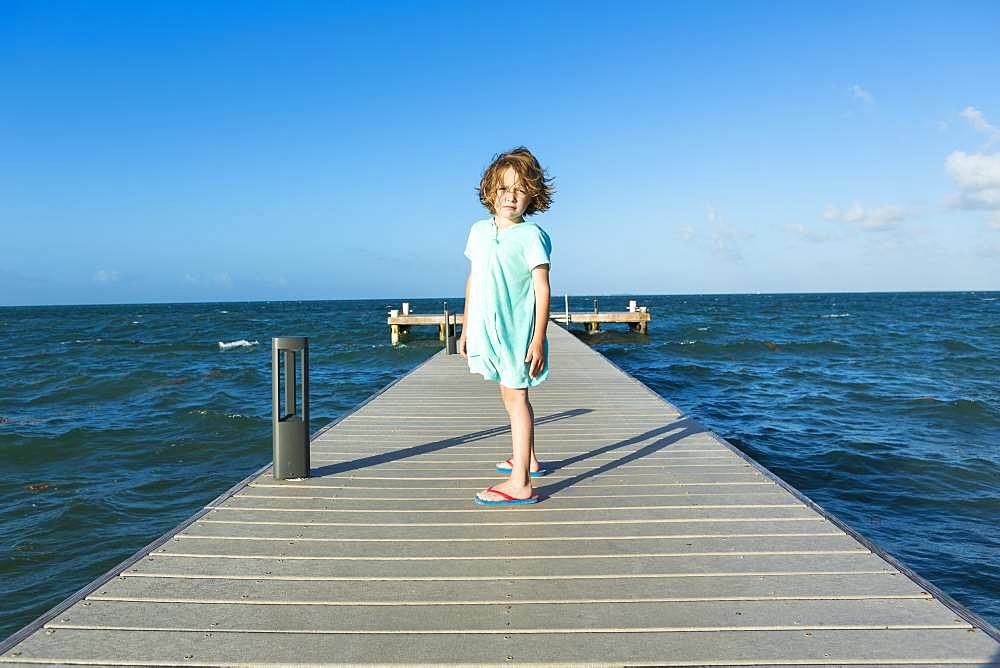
x=530, y=175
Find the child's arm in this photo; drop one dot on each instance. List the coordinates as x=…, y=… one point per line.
x=465, y=316
x=536, y=352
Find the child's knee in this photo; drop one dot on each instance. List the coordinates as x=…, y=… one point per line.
x=514, y=395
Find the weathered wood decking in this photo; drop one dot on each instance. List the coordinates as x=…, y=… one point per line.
x=660, y=544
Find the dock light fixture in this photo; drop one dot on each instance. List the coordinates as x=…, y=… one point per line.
x=290, y=418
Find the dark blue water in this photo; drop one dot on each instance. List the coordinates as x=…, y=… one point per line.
x=119, y=422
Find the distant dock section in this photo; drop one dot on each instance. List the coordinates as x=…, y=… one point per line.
x=636, y=317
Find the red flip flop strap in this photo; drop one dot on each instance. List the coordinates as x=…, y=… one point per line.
x=504, y=495
x=509, y=461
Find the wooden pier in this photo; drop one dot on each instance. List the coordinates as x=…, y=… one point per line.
x=658, y=543
x=637, y=318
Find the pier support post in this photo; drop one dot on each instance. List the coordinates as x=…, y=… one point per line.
x=443, y=327
x=594, y=326
x=448, y=332
x=290, y=422
x=643, y=325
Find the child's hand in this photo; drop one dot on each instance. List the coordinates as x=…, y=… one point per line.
x=535, y=358
x=461, y=346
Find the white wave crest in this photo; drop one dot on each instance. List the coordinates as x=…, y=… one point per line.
x=836, y=315
x=242, y=343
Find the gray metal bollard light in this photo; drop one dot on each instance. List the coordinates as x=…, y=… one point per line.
x=290, y=423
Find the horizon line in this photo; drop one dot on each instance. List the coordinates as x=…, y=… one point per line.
x=562, y=296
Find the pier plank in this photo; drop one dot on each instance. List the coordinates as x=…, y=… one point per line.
x=591, y=502
x=657, y=543
x=192, y=546
x=509, y=566
x=510, y=591
x=514, y=530
x=726, y=648
x=583, y=617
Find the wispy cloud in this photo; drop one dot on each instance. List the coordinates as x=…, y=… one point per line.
x=806, y=233
x=221, y=279
x=979, y=123
x=877, y=218
x=105, y=277
x=722, y=237
x=714, y=235
x=862, y=94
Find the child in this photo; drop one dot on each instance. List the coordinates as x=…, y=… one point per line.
x=507, y=307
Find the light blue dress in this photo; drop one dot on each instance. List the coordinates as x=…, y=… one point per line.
x=501, y=305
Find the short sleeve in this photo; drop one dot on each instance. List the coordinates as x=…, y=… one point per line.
x=468, y=243
x=538, y=250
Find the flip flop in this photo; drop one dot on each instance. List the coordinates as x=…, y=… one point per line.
x=534, y=474
x=507, y=499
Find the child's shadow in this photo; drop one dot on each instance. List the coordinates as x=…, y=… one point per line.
x=671, y=433
x=433, y=446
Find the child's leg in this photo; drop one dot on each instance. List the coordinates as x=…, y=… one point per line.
x=510, y=401
x=522, y=433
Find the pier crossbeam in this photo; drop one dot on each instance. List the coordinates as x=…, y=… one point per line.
x=658, y=543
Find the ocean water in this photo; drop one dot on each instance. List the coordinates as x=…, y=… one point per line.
x=117, y=423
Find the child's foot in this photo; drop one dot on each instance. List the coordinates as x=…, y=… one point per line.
x=507, y=464
x=507, y=488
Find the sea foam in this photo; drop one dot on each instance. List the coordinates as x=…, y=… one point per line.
x=242, y=343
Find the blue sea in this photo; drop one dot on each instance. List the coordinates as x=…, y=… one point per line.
x=119, y=422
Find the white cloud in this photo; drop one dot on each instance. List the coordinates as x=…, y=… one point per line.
x=686, y=232
x=104, y=277
x=223, y=280
x=878, y=218
x=884, y=216
x=978, y=178
x=854, y=213
x=860, y=93
x=190, y=278
x=974, y=170
x=995, y=221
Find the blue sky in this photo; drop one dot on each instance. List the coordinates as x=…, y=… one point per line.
x=301, y=150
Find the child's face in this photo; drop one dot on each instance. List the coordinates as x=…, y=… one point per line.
x=511, y=199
